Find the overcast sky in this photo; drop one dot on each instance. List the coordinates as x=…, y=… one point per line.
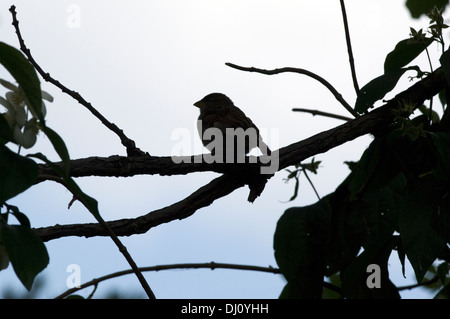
x=143, y=64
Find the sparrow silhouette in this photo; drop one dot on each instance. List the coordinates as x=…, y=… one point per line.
x=219, y=112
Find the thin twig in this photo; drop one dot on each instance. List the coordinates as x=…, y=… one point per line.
x=316, y=77
x=134, y=268
x=424, y=283
x=311, y=183
x=289, y=155
x=430, y=112
x=131, y=149
x=130, y=145
x=349, y=47
x=211, y=265
x=326, y=114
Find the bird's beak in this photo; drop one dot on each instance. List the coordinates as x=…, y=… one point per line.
x=200, y=104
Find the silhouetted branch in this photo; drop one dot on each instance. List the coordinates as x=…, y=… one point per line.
x=374, y=121
x=331, y=88
x=423, y=283
x=130, y=145
x=212, y=265
x=349, y=47
x=326, y=114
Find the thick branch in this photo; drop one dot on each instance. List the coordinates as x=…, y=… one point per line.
x=372, y=122
x=203, y=197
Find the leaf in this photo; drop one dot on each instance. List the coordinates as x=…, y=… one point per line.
x=441, y=143
x=26, y=251
x=445, y=63
x=404, y=52
x=74, y=297
x=345, y=244
x=363, y=171
x=401, y=256
x=290, y=292
x=442, y=272
x=17, y=173
x=419, y=7
x=25, y=75
x=444, y=293
x=297, y=182
x=6, y=134
x=376, y=89
x=354, y=277
x=300, y=243
x=22, y=218
x=60, y=147
x=90, y=203
x=4, y=259
x=420, y=241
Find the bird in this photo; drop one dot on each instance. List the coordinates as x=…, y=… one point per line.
x=218, y=111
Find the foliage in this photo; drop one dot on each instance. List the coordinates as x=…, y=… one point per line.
x=395, y=200
x=18, y=243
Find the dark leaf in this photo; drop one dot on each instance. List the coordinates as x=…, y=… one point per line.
x=59, y=146
x=442, y=272
x=6, y=134
x=419, y=7
x=300, y=243
x=90, y=203
x=421, y=242
x=376, y=89
x=444, y=293
x=26, y=251
x=17, y=173
x=441, y=143
x=355, y=277
x=445, y=63
x=25, y=75
x=404, y=52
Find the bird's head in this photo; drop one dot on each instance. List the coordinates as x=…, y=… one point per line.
x=214, y=103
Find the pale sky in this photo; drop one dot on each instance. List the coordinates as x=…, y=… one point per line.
x=143, y=64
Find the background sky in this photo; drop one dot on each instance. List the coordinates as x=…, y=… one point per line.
x=143, y=64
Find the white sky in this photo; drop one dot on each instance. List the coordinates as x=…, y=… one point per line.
x=143, y=64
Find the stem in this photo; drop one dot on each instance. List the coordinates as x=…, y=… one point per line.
x=130, y=145
x=311, y=183
x=212, y=265
x=326, y=114
x=430, y=113
x=424, y=283
x=132, y=150
x=331, y=88
x=349, y=47
x=124, y=251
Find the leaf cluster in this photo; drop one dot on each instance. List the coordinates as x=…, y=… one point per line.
x=19, y=244
x=396, y=200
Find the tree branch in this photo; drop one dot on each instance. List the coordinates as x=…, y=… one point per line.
x=349, y=47
x=212, y=265
x=331, y=88
x=130, y=145
x=372, y=122
x=326, y=114
x=203, y=197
